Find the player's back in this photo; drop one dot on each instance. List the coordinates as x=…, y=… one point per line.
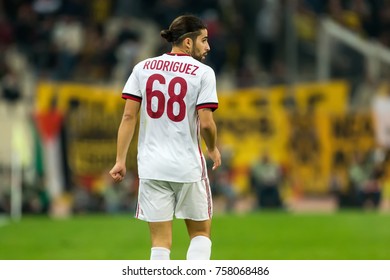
x=172, y=87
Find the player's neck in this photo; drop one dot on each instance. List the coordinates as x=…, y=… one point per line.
x=179, y=51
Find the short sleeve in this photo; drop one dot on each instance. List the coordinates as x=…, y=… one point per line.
x=208, y=93
x=131, y=89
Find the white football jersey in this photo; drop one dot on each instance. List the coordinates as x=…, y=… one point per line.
x=171, y=88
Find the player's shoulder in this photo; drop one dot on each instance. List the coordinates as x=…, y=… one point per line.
x=207, y=70
x=204, y=68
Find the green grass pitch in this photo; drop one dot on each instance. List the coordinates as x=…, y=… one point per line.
x=255, y=236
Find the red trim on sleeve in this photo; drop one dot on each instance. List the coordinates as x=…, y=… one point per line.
x=212, y=106
x=131, y=96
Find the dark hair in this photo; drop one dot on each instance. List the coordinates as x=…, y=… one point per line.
x=187, y=25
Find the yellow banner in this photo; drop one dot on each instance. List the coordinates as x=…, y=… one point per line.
x=92, y=117
x=306, y=128
x=291, y=124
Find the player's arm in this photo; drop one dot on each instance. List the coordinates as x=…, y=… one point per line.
x=208, y=130
x=125, y=135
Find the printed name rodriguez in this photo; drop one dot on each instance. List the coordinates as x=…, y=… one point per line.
x=171, y=66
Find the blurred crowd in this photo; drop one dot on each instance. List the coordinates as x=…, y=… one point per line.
x=359, y=181
x=100, y=41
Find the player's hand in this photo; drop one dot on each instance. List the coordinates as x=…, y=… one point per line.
x=118, y=172
x=215, y=157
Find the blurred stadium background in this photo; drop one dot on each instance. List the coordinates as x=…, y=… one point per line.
x=304, y=124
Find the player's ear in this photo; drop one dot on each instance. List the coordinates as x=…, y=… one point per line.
x=188, y=43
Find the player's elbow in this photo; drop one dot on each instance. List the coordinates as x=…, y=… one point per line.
x=129, y=117
x=208, y=129
x=208, y=125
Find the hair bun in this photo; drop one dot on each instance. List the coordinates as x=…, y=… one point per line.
x=167, y=35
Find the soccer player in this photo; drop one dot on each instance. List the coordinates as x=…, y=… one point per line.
x=176, y=96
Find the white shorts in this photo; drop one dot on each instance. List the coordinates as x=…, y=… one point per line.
x=158, y=201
